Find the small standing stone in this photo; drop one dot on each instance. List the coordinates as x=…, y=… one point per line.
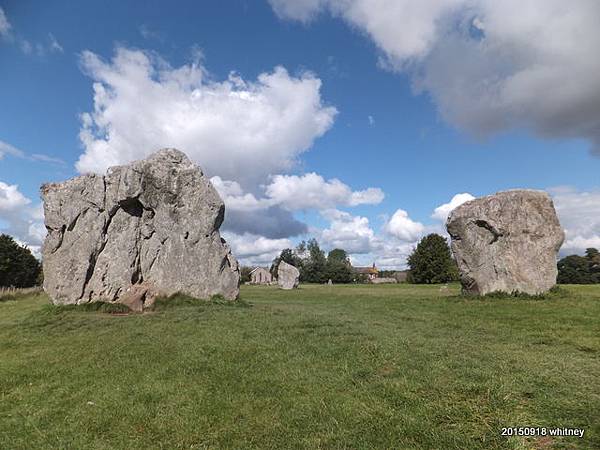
x=287, y=276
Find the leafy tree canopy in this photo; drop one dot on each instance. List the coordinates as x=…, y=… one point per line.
x=18, y=267
x=314, y=266
x=432, y=262
x=575, y=269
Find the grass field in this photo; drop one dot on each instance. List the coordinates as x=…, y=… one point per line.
x=356, y=367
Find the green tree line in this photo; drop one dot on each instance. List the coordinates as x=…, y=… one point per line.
x=18, y=267
x=314, y=265
x=575, y=269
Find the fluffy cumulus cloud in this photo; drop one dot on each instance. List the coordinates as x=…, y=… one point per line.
x=403, y=227
x=255, y=250
x=20, y=219
x=579, y=215
x=272, y=213
x=365, y=244
x=488, y=65
x=236, y=129
x=312, y=191
x=245, y=134
x=11, y=199
x=441, y=212
x=297, y=192
x=352, y=233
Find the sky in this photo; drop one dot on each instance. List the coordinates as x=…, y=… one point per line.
x=361, y=123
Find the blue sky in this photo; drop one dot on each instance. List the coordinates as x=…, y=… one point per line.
x=390, y=99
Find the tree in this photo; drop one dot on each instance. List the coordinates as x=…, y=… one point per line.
x=314, y=265
x=575, y=269
x=289, y=256
x=338, y=254
x=18, y=267
x=245, y=274
x=431, y=261
x=338, y=268
x=593, y=257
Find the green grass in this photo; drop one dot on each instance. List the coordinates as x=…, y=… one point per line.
x=356, y=367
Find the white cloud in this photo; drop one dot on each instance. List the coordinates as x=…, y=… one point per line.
x=7, y=149
x=441, y=212
x=403, y=227
x=312, y=191
x=351, y=233
x=11, y=198
x=4, y=24
x=149, y=33
x=254, y=250
x=303, y=10
x=489, y=65
x=55, y=45
x=578, y=244
x=27, y=47
x=579, y=215
x=403, y=29
x=236, y=129
x=271, y=215
x=19, y=219
x=294, y=192
x=365, y=246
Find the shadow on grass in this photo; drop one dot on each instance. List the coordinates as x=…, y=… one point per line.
x=174, y=301
x=102, y=307
x=179, y=300
x=554, y=293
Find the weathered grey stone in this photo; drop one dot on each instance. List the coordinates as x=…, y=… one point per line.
x=506, y=242
x=287, y=276
x=147, y=228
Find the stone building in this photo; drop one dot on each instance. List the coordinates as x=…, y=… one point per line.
x=371, y=272
x=260, y=275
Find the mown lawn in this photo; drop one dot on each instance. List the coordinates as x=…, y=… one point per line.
x=356, y=367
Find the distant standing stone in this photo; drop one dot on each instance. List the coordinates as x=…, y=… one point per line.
x=506, y=242
x=287, y=276
x=143, y=229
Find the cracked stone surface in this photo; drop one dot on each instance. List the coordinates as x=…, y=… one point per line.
x=143, y=229
x=287, y=276
x=506, y=242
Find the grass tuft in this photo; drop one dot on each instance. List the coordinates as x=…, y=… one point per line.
x=99, y=306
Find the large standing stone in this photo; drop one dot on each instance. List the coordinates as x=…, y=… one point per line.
x=148, y=228
x=287, y=276
x=506, y=242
